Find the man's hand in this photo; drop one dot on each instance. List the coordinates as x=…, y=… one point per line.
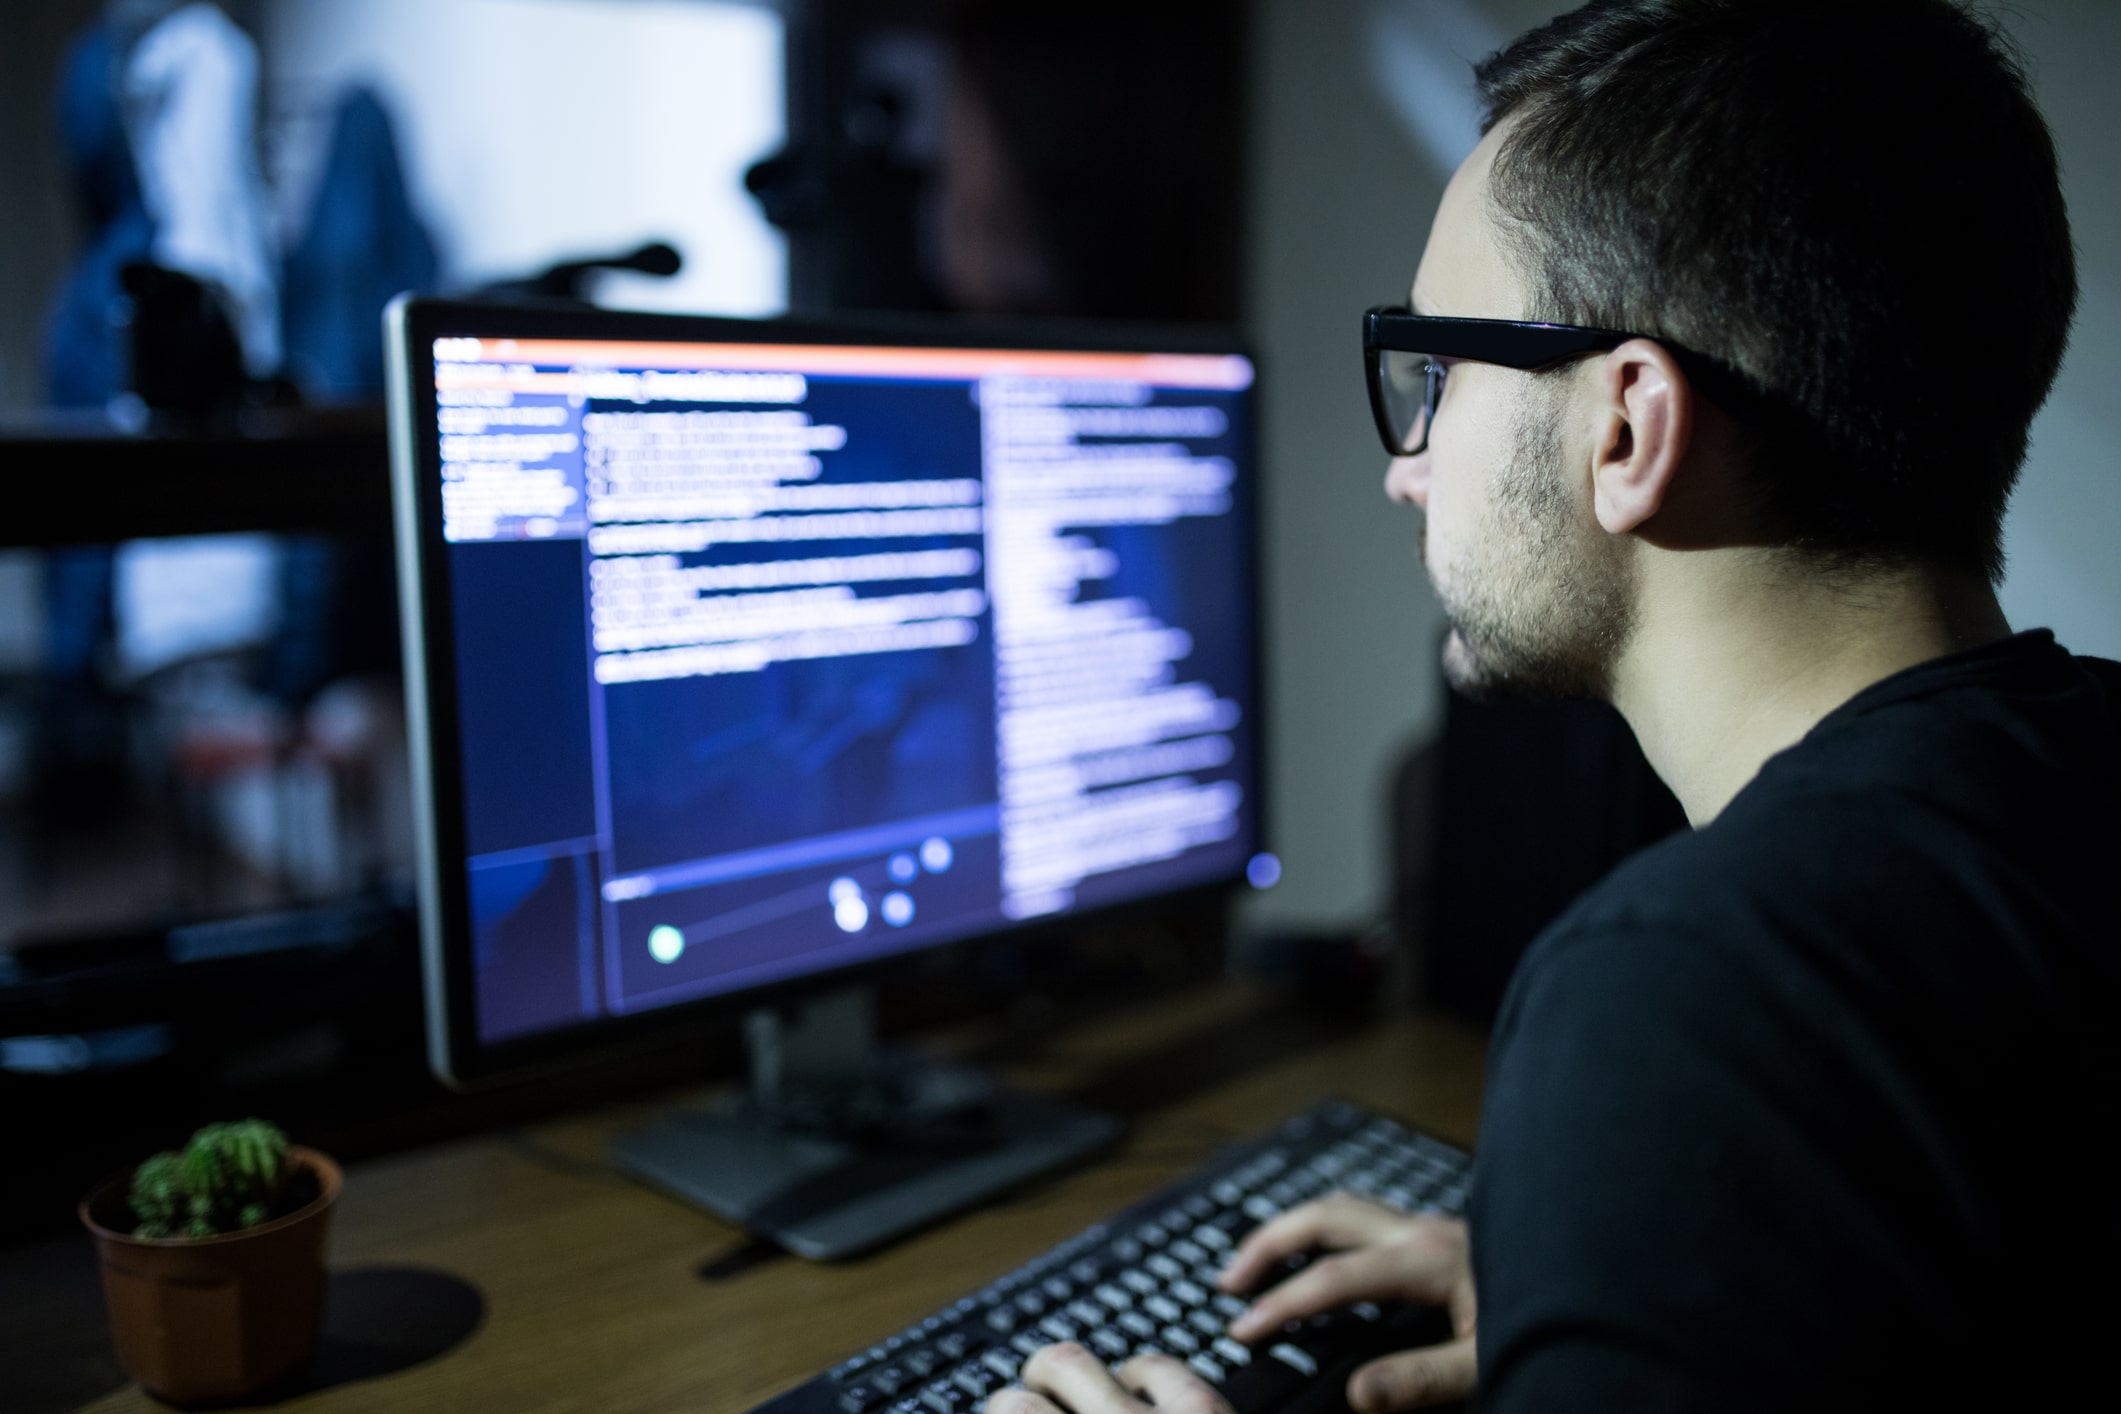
x=1068, y=1377
x=1377, y=1255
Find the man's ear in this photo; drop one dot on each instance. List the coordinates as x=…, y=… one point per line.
x=1646, y=422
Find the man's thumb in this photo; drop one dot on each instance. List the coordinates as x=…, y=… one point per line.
x=1435, y=1374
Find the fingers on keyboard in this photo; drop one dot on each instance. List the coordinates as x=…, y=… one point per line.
x=1172, y=1386
x=1335, y=1221
x=1075, y=1378
x=1364, y=1274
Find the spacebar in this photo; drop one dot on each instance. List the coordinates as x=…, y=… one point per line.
x=1265, y=1385
x=1310, y=1369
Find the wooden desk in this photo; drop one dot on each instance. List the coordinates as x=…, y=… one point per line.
x=593, y=1295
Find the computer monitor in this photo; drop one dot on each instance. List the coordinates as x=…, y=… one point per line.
x=742, y=656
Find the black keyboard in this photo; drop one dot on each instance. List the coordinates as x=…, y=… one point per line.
x=1145, y=1281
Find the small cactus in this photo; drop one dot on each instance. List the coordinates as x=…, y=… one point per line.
x=229, y=1177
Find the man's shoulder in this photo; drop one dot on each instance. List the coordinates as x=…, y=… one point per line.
x=1929, y=788
x=1943, y=852
x=1743, y=1095
x=1734, y=882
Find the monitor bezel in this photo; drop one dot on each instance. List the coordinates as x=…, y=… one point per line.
x=457, y=1052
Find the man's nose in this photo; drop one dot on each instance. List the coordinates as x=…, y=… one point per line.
x=1407, y=479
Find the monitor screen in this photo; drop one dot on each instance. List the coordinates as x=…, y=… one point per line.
x=750, y=656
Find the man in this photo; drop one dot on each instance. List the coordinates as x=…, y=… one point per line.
x=1802, y=1109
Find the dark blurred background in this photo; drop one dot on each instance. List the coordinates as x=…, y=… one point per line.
x=204, y=833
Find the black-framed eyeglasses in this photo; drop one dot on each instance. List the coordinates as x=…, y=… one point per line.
x=1407, y=357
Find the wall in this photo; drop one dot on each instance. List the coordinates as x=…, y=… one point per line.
x=1344, y=182
x=2065, y=563
x=1348, y=163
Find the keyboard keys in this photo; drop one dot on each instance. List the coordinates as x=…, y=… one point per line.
x=1207, y=1369
x=1151, y=1287
x=943, y=1397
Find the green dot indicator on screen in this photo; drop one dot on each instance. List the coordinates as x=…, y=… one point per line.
x=665, y=943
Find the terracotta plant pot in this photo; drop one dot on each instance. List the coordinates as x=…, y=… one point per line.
x=199, y=1320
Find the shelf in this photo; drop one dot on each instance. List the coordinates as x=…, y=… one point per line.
x=79, y=480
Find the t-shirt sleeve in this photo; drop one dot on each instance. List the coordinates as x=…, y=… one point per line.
x=1660, y=1184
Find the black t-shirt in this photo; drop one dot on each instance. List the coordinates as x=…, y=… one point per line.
x=1812, y=1108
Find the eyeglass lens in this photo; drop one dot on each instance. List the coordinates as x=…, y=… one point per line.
x=1411, y=383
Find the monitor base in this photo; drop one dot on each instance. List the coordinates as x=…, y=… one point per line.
x=838, y=1149
x=828, y=1199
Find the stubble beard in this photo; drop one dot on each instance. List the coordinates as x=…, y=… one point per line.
x=1541, y=605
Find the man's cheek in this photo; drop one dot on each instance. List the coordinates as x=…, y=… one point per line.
x=1440, y=532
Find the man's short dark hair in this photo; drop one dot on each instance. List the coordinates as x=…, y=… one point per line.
x=1854, y=203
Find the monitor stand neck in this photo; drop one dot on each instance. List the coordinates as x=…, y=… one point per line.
x=817, y=1069
x=824, y=1046
x=839, y=1145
